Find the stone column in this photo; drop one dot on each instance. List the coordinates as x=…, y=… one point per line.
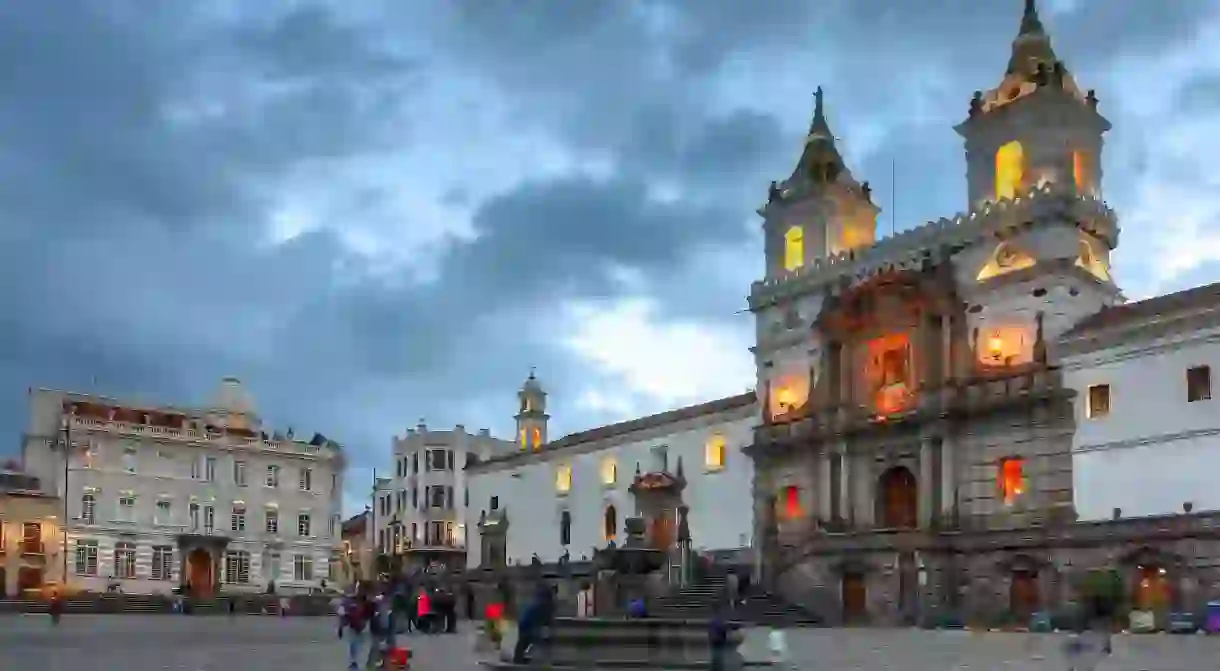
x=824, y=507
x=846, y=508
x=948, y=474
x=927, y=480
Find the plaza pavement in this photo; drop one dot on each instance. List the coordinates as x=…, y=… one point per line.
x=254, y=643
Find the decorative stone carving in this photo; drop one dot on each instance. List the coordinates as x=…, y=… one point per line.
x=976, y=104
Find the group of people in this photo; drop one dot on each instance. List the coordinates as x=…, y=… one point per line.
x=376, y=613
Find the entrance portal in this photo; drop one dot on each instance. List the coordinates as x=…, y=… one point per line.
x=898, y=499
x=662, y=530
x=1152, y=589
x=199, y=572
x=1023, y=599
x=855, y=602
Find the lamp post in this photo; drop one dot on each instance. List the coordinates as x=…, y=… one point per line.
x=67, y=449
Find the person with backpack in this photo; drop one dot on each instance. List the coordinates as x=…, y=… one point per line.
x=354, y=618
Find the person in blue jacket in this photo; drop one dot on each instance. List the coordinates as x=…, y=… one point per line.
x=537, y=614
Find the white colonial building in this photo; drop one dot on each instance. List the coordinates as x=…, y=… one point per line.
x=572, y=494
x=418, y=511
x=161, y=496
x=1147, y=436
x=982, y=372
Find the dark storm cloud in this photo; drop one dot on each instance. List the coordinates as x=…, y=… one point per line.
x=138, y=149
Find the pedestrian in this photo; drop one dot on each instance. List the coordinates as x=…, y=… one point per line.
x=56, y=606
x=537, y=616
x=379, y=634
x=732, y=584
x=352, y=623
x=718, y=640
x=777, y=641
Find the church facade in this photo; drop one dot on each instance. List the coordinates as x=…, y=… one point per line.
x=966, y=417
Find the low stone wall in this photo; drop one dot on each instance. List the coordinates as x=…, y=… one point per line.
x=303, y=605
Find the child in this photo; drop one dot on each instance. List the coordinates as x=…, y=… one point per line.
x=777, y=640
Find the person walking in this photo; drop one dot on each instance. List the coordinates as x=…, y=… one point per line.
x=537, y=616
x=353, y=620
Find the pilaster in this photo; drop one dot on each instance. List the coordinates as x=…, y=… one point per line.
x=927, y=480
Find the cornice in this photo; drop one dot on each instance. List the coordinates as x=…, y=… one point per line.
x=1198, y=327
x=1146, y=440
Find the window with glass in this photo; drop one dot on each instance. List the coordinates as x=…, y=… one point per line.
x=86, y=557
x=31, y=538
x=194, y=469
x=237, y=567
x=162, y=562
x=124, y=560
x=209, y=469
x=1198, y=384
x=563, y=478
x=303, y=525
x=306, y=483
x=193, y=511
x=164, y=512
x=609, y=471
x=713, y=457
x=129, y=458
x=209, y=519
x=238, y=522
x=88, y=509
x=302, y=567
x=273, y=521
x=1011, y=479
x=239, y=473
x=127, y=508
x=1097, y=402
x=273, y=476
x=436, y=460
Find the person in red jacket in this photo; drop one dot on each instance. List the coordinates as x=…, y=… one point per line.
x=423, y=610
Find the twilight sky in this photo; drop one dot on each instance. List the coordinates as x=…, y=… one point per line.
x=375, y=212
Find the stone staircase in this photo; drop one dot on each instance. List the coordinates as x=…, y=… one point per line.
x=698, y=601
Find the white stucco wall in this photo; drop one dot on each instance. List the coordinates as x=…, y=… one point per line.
x=721, y=501
x=1154, y=450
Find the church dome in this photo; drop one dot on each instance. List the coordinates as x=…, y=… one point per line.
x=231, y=397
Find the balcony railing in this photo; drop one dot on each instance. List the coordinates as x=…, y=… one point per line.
x=976, y=395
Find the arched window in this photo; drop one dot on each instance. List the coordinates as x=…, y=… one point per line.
x=524, y=437
x=1009, y=170
x=88, y=507
x=794, y=248
x=1080, y=173
x=537, y=438
x=791, y=503
x=610, y=523
x=565, y=528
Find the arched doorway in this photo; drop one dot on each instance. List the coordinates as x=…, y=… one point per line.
x=1023, y=598
x=1152, y=589
x=898, y=499
x=854, y=597
x=661, y=530
x=199, y=572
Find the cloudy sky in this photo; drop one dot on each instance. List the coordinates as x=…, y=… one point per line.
x=376, y=212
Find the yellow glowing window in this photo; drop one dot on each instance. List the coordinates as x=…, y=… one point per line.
x=563, y=479
x=609, y=471
x=1078, y=173
x=1012, y=478
x=794, y=248
x=713, y=456
x=524, y=438
x=1009, y=170
x=537, y=438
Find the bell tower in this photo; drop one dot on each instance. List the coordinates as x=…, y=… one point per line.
x=531, y=415
x=820, y=210
x=1036, y=126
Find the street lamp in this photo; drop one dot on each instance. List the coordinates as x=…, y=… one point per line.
x=67, y=450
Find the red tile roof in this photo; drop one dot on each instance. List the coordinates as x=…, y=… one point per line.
x=1197, y=298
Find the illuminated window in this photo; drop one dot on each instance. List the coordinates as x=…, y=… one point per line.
x=524, y=438
x=713, y=456
x=1097, y=402
x=1012, y=478
x=790, y=503
x=1078, y=171
x=794, y=248
x=1009, y=170
x=609, y=471
x=1091, y=261
x=563, y=478
x=610, y=523
x=537, y=438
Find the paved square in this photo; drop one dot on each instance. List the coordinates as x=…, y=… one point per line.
x=252, y=643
